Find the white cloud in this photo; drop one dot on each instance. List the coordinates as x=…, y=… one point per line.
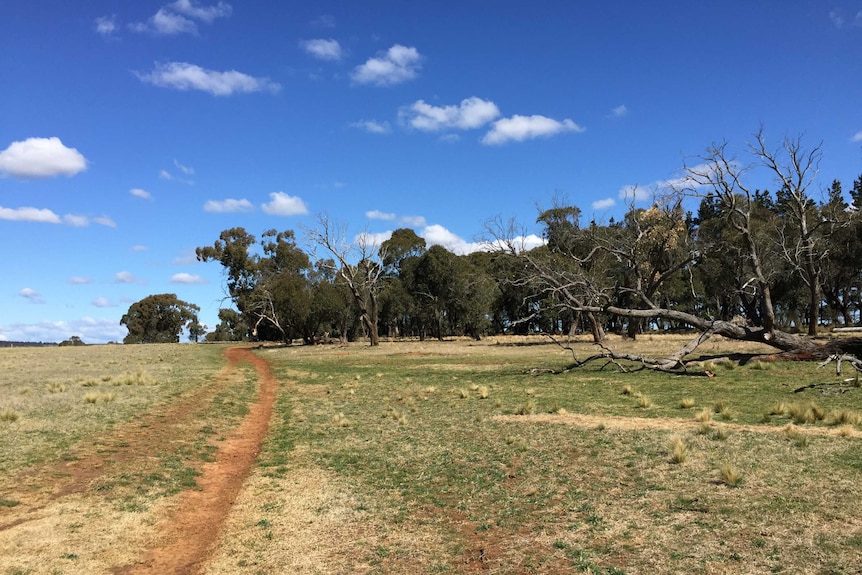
x=321, y=49
x=836, y=18
x=470, y=113
x=413, y=221
x=76, y=221
x=857, y=137
x=370, y=240
x=184, y=169
x=31, y=295
x=29, y=215
x=184, y=76
x=79, y=280
x=139, y=193
x=179, y=18
x=284, y=205
x=228, y=206
x=204, y=13
x=378, y=215
x=102, y=302
x=165, y=175
x=604, y=204
x=106, y=25
x=396, y=65
x=139, y=248
x=619, y=111
x=634, y=192
x=105, y=221
x=187, y=279
x=520, y=128
x=372, y=126
x=89, y=329
x=125, y=278
x=41, y=158
x=438, y=235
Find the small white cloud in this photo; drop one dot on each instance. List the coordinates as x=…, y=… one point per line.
x=29, y=215
x=106, y=25
x=619, y=111
x=836, y=18
x=187, y=279
x=105, y=221
x=857, y=137
x=436, y=234
x=139, y=193
x=284, y=205
x=41, y=158
x=184, y=76
x=102, y=302
x=378, y=215
x=179, y=18
x=329, y=50
x=184, y=169
x=634, y=192
x=396, y=65
x=78, y=280
x=139, y=248
x=372, y=126
x=165, y=175
x=604, y=204
x=76, y=221
x=89, y=329
x=369, y=239
x=469, y=114
x=413, y=221
x=31, y=295
x=228, y=206
x=204, y=13
x=125, y=278
x=520, y=128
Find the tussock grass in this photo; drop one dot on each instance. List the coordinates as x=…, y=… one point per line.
x=687, y=403
x=678, y=450
x=729, y=474
x=483, y=391
x=704, y=416
x=643, y=401
x=9, y=416
x=55, y=387
x=627, y=390
x=843, y=417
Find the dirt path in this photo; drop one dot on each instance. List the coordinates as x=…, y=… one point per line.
x=194, y=524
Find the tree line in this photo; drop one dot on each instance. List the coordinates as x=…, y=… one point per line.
x=711, y=253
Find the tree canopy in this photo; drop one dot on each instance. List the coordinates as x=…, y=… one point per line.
x=158, y=318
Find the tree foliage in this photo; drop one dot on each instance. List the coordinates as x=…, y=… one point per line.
x=158, y=318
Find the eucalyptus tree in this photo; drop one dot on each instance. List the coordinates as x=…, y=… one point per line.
x=158, y=318
x=359, y=264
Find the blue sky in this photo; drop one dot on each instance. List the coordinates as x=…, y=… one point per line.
x=133, y=132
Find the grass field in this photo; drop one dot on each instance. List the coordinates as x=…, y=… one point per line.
x=454, y=457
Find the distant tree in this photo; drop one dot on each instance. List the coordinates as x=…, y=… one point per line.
x=196, y=330
x=231, y=327
x=72, y=341
x=158, y=318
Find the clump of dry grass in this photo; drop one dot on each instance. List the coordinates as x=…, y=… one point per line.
x=704, y=416
x=483, y=391
x=844, y=417
x=527, y=408
x=530, y=391
x=89, y=382
x=781, y=409
x=720, y=433
x=95, y=398
x=678, y=450
x=643, y=401
x=463, y=393
x=686, y=403
x=627, y=390
x=340, y=421
x=803, y=413
x=55, y=387
x=9, y=416
x=846, y=431
x=730, y=475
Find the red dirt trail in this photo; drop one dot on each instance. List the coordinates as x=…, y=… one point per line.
x=195, y=523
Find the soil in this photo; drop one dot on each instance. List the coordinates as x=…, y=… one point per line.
x=196, y=516
x=196, y=521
